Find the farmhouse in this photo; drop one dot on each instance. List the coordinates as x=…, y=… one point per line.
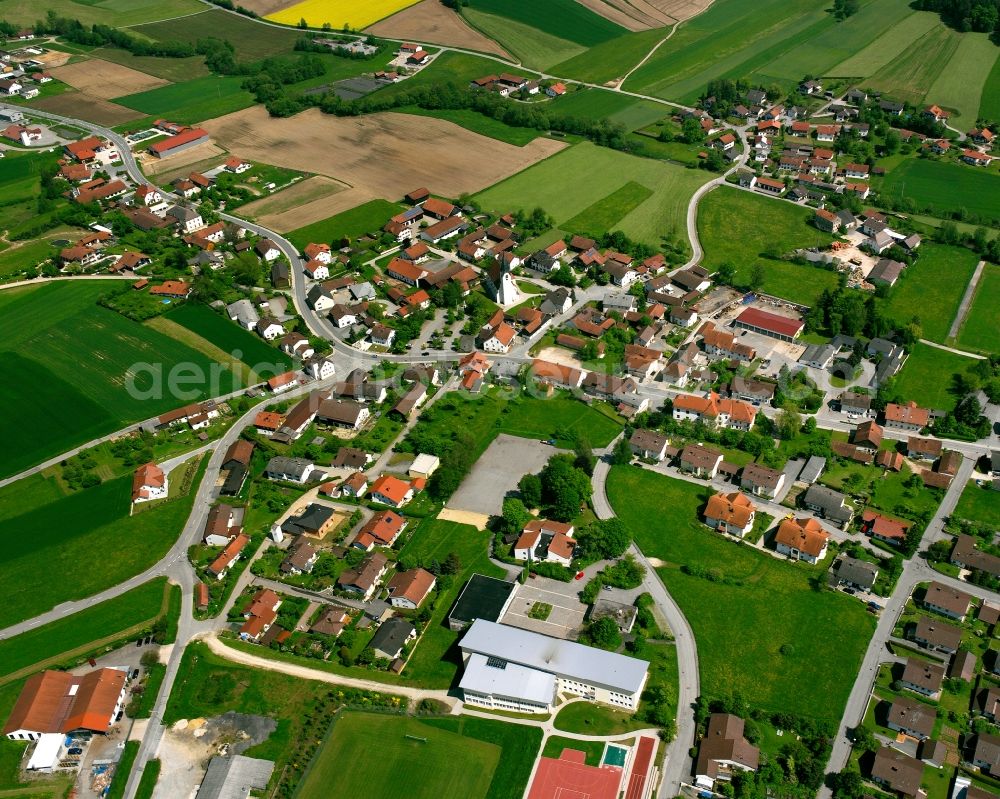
x=58, y=703
x=180, y=142
x=148, y=483
x=544, y=540
x=512, y=669
x=730, y=513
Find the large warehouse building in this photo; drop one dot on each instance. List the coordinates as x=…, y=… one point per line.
x=514, y=669
x=54, y=702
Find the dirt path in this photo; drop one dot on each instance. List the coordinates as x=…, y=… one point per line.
x=963, y=308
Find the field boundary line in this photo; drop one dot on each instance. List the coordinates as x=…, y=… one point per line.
x=91, y=646
x=168, y=19
x=966, y=304
x=197, y=342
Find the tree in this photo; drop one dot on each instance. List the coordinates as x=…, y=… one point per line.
x=530, y=487
x=726, y=273
x=564, y=487
x=691, y=131
x=513, y=517
x=604, y=633
x=622, y=454
x=789, y=423
x=603, y=540
x=757, y=276
x=584, y=459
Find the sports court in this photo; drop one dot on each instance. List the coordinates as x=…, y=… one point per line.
x=570, y=777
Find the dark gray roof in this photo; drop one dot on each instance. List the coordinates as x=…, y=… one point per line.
x=482, y=598
x=858, y=572
x=233, y=777
x=390, y=637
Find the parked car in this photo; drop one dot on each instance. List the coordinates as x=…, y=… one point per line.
x=135, y=673
x=578, y=576
x=76, y=750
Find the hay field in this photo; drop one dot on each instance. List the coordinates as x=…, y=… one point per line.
x=339, y=12
x=378, y=155
x=306, y=202
x=106, y=80
x=430, y=21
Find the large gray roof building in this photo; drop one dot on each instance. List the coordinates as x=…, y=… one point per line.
x=574, y=668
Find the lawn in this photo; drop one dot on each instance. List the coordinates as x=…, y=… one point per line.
x=753, y=592
x=945, y=187
x=72, y=537
x=139, y=606
x=555, y=744
x=368, y=217
x=561, y=418
x=932, y=289
x=604, y=214
x=909, y=76
x=118, y=13
x=740, y=228
x=69, y=353
x=339, y=13
x=264, y=359
x=414, y=759
x=979, y=332
x=530, y=45
x=979, y=505
x=193, y=100
x=926, y=376
x=599, y=104
x=555, y=185
x=252, y=40
x=960, y=84
x=150, y=774
x=566, y=19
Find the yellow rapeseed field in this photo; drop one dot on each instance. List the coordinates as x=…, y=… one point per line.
x=354, y=13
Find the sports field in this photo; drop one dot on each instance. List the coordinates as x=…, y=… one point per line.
x=980, y=330
x=414, y=760
x=932, y=289
x=252, y=40
x=575, y=179
x=339, y=13
x=193, y=100
x=749, y=591
x=945, y=187
x=75, y=362
x=742, y=228
x=926, y=376
x=88, y=539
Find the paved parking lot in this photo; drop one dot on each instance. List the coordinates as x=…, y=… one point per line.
x=498, y=472
x=566, y=618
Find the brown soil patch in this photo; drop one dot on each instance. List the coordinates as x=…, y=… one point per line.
x=680, y=10
x=264, y=7
x=53, y=58
x=379, y=155
x=477, y=520
x=302, y=204
x=105, y=79
x=81, y=105
x=430, y=21
x=183, y=160
x=623, y=13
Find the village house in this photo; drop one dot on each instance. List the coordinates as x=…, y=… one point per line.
x=883, y=528
x=936, y=635
x=392, y=491
x=854, y=573
x=922, y=677
x=911, y=717
x=761, y=481
x=724, y=751
x=148, y=483
x=259, y=614
x=393, y=635
x=830, y=504
x=381, y=530
x=57, y=703
x=410, y=588
x=364, y=578
x=700, y=460
x=730, y=513
x=947, y=601
x=543, y=540
x=648, y=444
x=219, y=567
x=802, y=539
x=714, y=411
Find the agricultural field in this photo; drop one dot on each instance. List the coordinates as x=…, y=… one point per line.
x=609, y=61
x=744, y=228
x=909, y=76
x=174, y=70
x=960, y=84
x=106, y=79
x=252, y=40
x=119, y=13
x=265, y=360
x=890, y=44
x=79, y=105
x=79, y=631
x=307, y=201
x=598, y=104
x=529, y=45
x=556, y=185
x=980, y=331
x=933, y=288
x=430, y=762
x=191, y=101
x=50, y=336
x=566, y=19
x=431, y=21
x=382, y=155
x=944, y=187
x=366, y=218
x=756, y=592
x=926, y=376
x=338, y=13
x=62, y=537
x=478, y=123
x=989, y=107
